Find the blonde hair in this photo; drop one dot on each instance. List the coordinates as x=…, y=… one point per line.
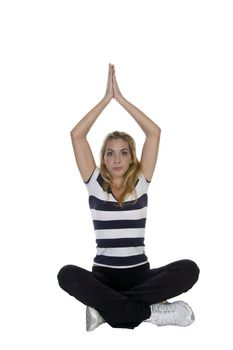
x=131, y=175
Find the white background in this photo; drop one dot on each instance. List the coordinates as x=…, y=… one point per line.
x=173, y=60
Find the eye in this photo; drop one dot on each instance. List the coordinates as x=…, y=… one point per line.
x=125, y=153
x=109, y=153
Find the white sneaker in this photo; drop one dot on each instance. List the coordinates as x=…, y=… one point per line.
x=93, y=319
x=177, y=313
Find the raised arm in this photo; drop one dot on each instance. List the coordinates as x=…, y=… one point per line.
x=151, y=130
x=82, y=150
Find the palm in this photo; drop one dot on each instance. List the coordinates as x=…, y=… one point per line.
x=109, y=90
x=116, y=90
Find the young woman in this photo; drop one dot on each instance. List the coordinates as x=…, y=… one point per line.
x=121, y=289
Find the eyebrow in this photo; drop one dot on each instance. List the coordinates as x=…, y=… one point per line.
x=123, y=149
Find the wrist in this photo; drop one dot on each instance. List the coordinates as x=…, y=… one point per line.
x=107, y=98
x=119, y=98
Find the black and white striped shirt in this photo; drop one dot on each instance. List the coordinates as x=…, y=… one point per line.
x=120, y=231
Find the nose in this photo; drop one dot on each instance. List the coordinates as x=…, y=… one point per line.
x=117, y=158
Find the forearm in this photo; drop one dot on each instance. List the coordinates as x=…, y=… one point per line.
x=84, y=125
x=147, y=125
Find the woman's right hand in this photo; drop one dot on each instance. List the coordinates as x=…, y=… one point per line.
x=109, y=89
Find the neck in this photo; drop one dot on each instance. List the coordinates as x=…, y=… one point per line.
x=117, y=183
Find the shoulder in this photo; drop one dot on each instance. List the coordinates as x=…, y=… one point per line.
x=142, y=185
x=143, y=179
x=94, y=184
x=93, y=177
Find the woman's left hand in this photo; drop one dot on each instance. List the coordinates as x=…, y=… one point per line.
x=116, y=91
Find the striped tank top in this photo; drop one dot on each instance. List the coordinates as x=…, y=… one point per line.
x=119, y=231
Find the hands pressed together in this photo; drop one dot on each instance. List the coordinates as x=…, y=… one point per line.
x=112, y=90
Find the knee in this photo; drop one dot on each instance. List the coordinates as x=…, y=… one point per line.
x=64, y=276
x=192, y=270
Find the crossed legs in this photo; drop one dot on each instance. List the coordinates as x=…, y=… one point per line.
x=124, y=301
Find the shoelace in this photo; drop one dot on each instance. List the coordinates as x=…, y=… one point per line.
x=164, y=313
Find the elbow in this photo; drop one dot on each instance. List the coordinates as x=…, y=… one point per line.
x=72, y=133
x=155, y=131
x=76, y=134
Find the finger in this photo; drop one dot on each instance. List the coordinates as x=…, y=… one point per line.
x=110, y=73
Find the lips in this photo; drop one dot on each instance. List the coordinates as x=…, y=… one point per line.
x=117, y=168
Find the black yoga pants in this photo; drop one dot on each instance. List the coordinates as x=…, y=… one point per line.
x=123, y=296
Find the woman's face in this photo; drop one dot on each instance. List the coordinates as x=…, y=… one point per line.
x=117, y=157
